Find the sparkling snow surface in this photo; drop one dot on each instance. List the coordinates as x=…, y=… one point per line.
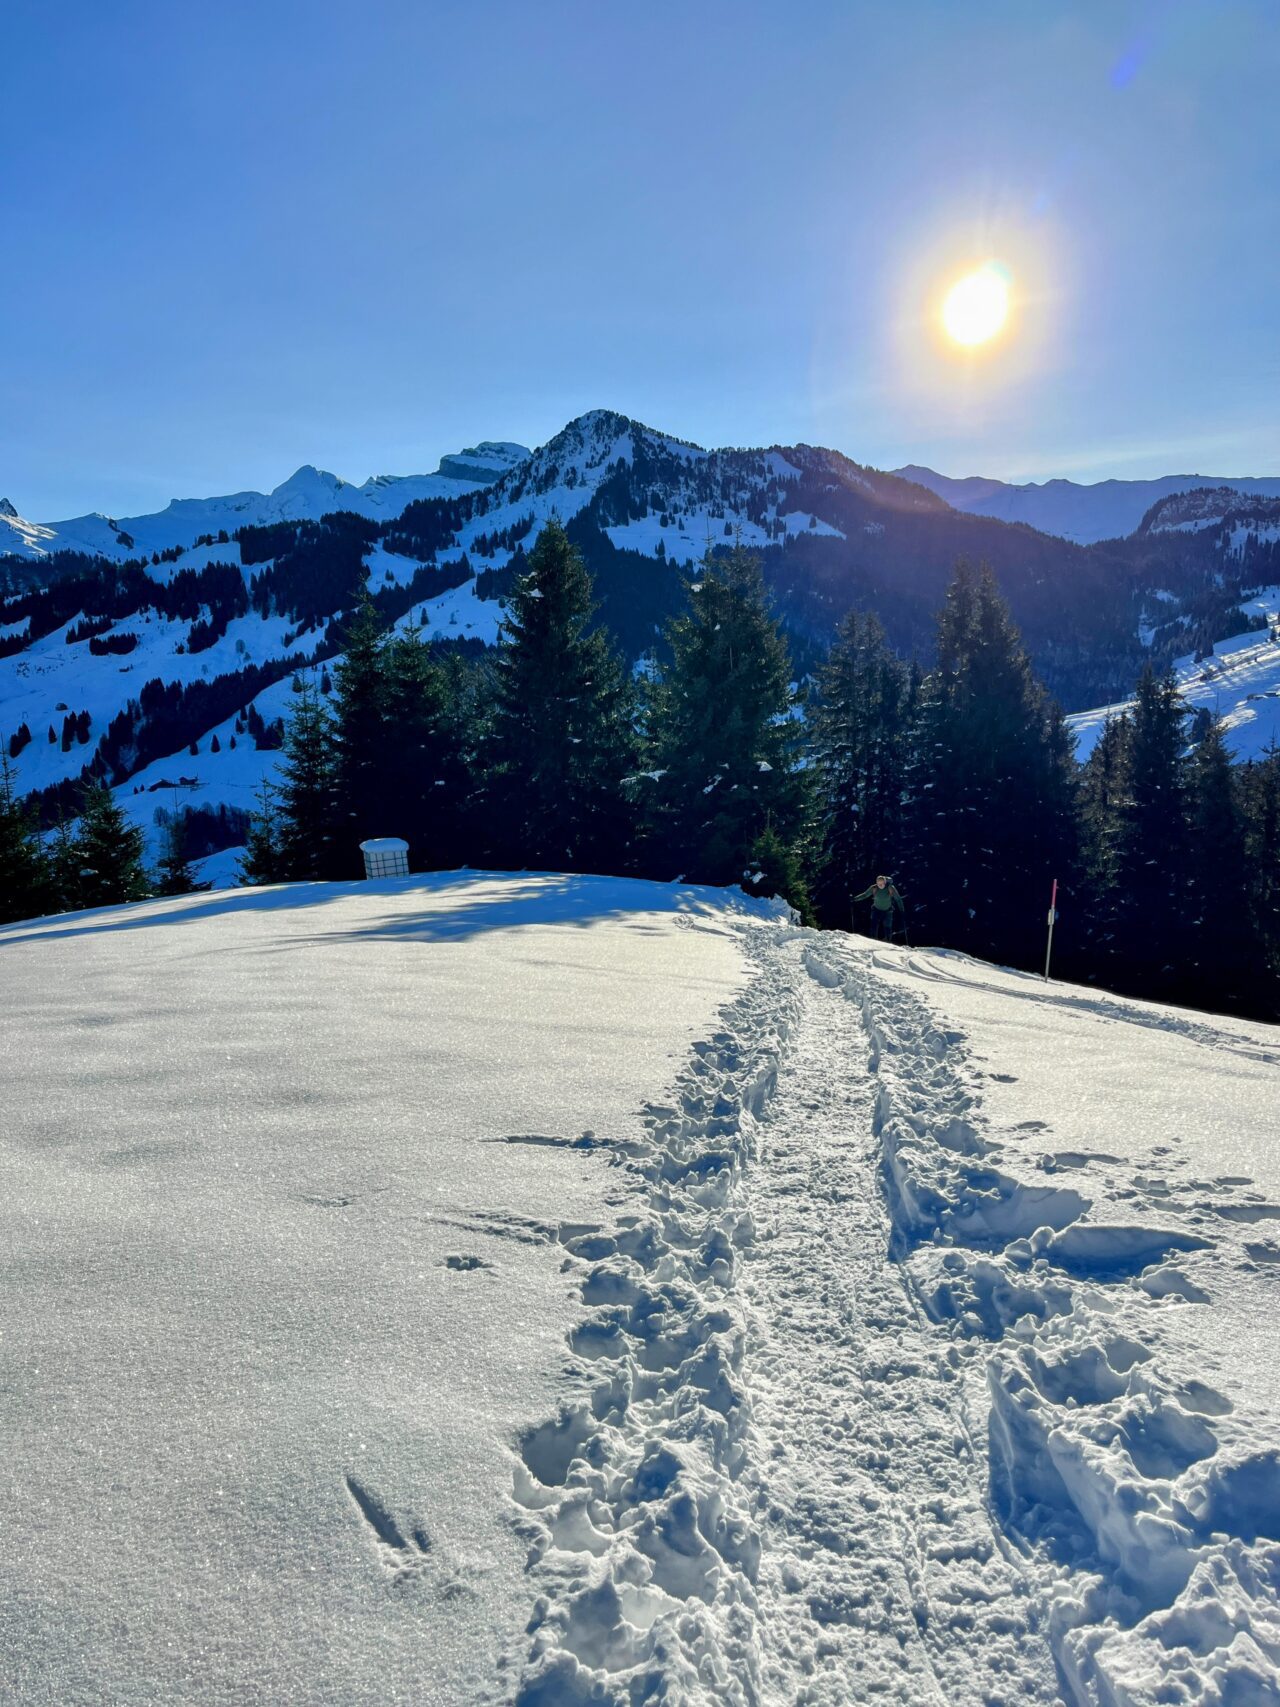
x=287, y=1175
x=552, y=1291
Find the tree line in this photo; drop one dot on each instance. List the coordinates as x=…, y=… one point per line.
x=712, y=765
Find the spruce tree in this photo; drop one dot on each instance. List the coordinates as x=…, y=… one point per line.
x=429, y=782
x=25, y=878
x=64, y=869
x=1224, y=954
x=364, y=795
x=859, y=734
x=1104, y=794
x=724, y=740
x=174, y=875
x=562, y=738
x=308, y=809
x=107, y=851
x=1152, y=844
x=1260, y=788
x=263, y=861
x=991, y=785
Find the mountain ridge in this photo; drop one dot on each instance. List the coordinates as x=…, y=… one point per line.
x=1088, y=513
x=1079, y=512
x=162, y=668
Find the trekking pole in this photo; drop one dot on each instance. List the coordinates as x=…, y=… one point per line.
x=1053, y=913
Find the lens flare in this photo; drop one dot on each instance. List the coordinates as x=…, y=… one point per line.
x=977, y=305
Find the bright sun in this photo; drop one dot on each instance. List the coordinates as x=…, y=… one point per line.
x=977, y=305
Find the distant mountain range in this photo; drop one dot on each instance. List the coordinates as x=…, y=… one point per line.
x=304, y=496
x=1084, y=514
x=158, y=651
x=1110, y=509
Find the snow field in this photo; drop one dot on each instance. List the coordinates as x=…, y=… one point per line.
x=389, y=1335
x=1133, y=1448
x=290, y=1174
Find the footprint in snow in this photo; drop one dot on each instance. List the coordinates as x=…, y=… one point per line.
x=465, y=1262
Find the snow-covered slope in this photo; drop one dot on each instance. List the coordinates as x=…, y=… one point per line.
x=1110, y=509
x=1238, y=682
x=1236, y=519
x=306, y=495
x=558, y=1290
x=207, y=630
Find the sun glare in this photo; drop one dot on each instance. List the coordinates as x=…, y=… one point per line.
x=977, y=305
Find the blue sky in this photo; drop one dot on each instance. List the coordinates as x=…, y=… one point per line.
x=242, y=237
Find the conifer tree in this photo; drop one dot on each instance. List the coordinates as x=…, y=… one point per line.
x=1104, y=793
x=1152, y=865
x=428, y=781
x=363, y=792
x=561, y=739
x=107, y=852
x=308, y=828
x=1260, y=787
x=263, y=861
x=724, y=740
x=25, y=877
x=991, y=785
x=1222, y=947
x=174, y=875
x=777, y=868
x=859, y=735
x=64, y=870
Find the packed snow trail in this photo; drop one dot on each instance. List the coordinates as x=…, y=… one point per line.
x=882, y=1577
x=766, y=1491
x=883, y=1394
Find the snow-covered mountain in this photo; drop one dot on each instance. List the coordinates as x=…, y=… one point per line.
x=556, y=1289
x=164, y=664
x=1235, y=518
x=306, y=495
x=1109, y=509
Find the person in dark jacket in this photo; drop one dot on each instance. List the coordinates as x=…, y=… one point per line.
x=885, y=902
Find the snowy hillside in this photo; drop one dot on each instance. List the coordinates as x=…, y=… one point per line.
x=1238, y=682
x=1109, y=509
x=550, y=1290
x=142, y=664
x=1236, y=519
x=307, y=495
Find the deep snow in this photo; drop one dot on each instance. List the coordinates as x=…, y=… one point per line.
x=559, y=1290
x=288, y=1174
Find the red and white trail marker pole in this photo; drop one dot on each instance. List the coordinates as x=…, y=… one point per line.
x=1053, y=913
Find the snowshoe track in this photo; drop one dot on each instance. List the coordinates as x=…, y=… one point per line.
x=644, y=1545
x=864, y=1413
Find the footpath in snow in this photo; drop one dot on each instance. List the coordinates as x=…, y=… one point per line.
x=557, y=1291
x=895, y=1390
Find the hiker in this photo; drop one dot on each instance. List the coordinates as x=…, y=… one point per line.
x=885, y=901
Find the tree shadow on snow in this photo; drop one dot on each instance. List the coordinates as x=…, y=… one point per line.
x=457, y=905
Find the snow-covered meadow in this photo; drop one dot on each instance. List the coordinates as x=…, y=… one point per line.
x=552, y=1290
